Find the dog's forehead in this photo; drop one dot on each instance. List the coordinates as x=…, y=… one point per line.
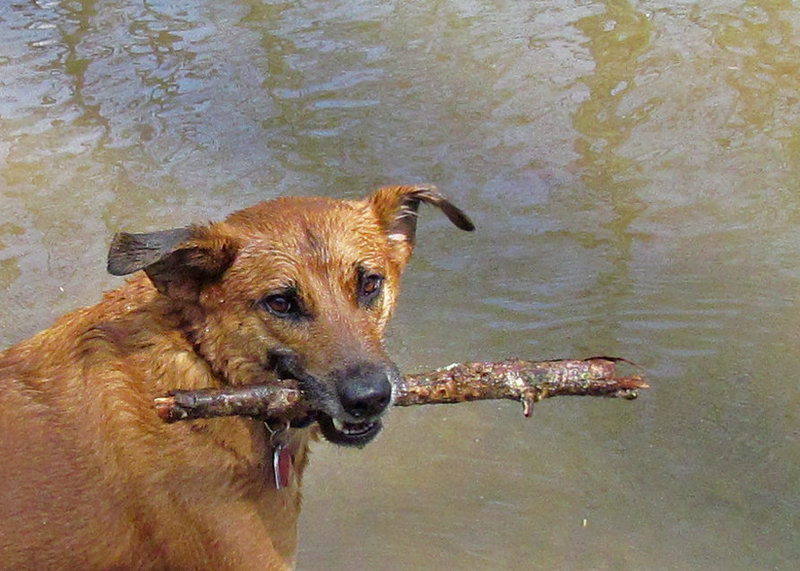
x=290, y=213
x=311, y=232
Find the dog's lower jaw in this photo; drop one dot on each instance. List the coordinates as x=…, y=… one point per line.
x=343, y=433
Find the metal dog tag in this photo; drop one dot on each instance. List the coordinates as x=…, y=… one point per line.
x=281, y=465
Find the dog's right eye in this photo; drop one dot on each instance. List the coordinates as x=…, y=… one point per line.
x=280, y=304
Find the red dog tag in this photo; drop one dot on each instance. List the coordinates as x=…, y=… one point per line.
x=281, y=465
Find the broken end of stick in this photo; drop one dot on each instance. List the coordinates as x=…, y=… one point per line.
x=628, y=386
x=168, y=410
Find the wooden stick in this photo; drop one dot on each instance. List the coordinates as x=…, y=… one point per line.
x=524, y=381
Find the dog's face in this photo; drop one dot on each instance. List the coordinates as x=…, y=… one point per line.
x=297, y=288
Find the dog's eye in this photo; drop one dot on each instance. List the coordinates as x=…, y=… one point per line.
x=369, y=287
x=281, y=304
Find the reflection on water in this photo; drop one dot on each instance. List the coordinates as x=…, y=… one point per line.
x=633, y=171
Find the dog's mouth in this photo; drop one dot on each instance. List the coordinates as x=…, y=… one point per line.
x=363, y=423
x=348, y=433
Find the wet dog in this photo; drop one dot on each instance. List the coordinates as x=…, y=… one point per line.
x=299, y=288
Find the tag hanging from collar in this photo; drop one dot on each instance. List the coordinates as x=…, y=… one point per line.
x=281, y=465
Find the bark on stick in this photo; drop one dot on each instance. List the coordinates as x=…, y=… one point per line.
x=524, y=381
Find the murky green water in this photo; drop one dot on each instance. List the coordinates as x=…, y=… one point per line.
x=634, y=170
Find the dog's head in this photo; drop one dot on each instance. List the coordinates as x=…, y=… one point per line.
x=298, y=288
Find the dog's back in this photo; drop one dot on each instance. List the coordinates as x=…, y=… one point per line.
x=50, y=475
x=92, y=479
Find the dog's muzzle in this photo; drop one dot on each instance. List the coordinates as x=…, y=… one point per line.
x=350, y=400
x=363, y=392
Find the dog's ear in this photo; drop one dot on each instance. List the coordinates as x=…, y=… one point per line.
x=177, y=261
x=396, y=209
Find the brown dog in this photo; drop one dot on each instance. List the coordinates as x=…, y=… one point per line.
x=90, y=478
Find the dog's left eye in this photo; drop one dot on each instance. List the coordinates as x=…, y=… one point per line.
x=369, y=287
x=281, y=305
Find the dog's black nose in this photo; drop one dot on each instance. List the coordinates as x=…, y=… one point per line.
x=365, y=390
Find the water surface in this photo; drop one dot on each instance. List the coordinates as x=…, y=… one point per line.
x=633, y=169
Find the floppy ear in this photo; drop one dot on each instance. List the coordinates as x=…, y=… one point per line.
x=177, y=261
x=396, y=210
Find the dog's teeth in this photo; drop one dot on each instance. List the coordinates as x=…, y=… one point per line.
x=351, y=428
